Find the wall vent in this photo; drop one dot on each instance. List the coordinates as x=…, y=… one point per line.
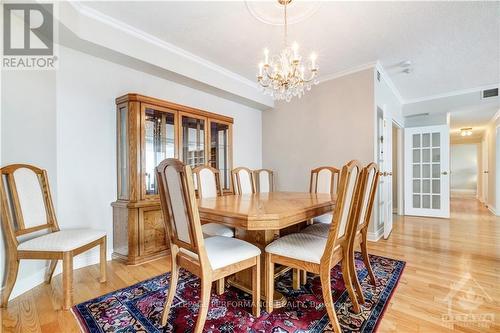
x=489, y=93
x=378, y=76
x=417, y=115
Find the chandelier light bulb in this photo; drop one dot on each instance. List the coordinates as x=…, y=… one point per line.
x=313, y=60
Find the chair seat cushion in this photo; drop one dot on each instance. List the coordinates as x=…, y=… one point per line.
x=216, y=229
x=224, y=251
x=62, y=241
x=325, y=218
x=299, y=246
x=317, y=229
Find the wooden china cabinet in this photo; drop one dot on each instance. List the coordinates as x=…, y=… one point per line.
x=148, y=131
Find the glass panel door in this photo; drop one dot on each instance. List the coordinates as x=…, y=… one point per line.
x=193, y=140
x=219, y=157
x=427, y=161
x=159, y=144
x=123, y=152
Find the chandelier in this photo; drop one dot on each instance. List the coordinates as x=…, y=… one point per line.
x=285, y=75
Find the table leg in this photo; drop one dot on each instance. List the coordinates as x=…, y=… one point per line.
x=243, y=280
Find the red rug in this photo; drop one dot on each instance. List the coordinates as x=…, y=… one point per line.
x=138, y=308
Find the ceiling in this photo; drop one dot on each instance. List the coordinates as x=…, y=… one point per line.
x=452, y=45
x=478, y=119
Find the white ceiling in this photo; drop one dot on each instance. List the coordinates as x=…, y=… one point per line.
x=452, y=45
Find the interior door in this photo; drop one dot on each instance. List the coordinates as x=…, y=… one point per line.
x=485, y=170
x=427, y=180
x=386, y=169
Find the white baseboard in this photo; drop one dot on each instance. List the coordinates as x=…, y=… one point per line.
x=375, y=236
x=464, y=192
x=36, y=278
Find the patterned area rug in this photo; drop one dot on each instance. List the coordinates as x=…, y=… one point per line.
x=138, y=308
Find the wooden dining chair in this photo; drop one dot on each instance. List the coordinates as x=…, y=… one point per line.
x=243, y=181
x=27, y=210
x=318, y=254
x=210, y=259
x=324, y=179
x=208, y=182
x=369, y=183
x=264, y=180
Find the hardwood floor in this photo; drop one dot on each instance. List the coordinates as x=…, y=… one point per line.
x=438, y=252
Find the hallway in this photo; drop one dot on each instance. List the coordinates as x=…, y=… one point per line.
x=439, y=253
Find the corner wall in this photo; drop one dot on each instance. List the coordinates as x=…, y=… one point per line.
x=330, y=125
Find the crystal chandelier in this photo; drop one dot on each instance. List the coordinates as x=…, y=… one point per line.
x=285, y=75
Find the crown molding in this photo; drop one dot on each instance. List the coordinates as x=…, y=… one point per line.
x=451, y=93
x=389, y=82
x=352, y=70
x=95, y=27
x=97, y=15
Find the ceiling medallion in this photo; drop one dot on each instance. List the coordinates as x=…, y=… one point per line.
x=286, y=75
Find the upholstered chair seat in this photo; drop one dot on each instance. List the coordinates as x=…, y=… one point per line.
x=317, y=229
x=324, y=219
x=299, y=246
x=63, y=240
x=225, y=251
x=216, y=229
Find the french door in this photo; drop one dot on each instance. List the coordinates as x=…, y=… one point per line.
x=427, y=179
x=385, y=166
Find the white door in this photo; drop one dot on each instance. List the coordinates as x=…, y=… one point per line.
x=385, y=168
x=484, y=170
x=427, y=179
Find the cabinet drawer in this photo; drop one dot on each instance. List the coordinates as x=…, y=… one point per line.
x=151, y=231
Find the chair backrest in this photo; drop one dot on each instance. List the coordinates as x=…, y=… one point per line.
x=178, y=204
x=369, y=184
x=208, y=181
x=26, y=202
x=345, y=212
x=243, y=182
x=324, y=179
x=264, y=180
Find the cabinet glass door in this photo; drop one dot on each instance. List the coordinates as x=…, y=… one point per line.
x=159, y=144
x=219, y=151
x=193, y=140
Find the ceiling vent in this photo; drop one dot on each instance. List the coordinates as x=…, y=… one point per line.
x=489, y=93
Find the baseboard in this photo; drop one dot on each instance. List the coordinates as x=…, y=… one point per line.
x=38, y=277
x=375, y=236
x=468, y=192
x=493, y=210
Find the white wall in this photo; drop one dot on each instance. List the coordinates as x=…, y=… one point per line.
x=332, y=124
x=29, y=136
x=464, y=167
x=79, y=132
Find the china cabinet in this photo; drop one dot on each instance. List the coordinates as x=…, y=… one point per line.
x=148, y=131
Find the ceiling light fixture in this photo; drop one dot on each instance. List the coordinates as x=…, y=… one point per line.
x=466, y=131
x=284, y=76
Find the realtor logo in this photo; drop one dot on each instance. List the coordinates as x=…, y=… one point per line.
x=28, y=36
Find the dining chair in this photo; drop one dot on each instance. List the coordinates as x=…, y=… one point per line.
x=369, y=183
x=318, y=254
x=324, y=179
x=210, y=259
x=27, y=210
x=208, y=185
x=264, y=180
x=243, y=181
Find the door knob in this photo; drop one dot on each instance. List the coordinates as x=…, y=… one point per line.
x=444, y=173
x=486, y=171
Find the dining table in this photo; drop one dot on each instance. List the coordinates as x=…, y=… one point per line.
x=260, y=218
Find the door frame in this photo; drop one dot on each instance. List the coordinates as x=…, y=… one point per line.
x=401, y=169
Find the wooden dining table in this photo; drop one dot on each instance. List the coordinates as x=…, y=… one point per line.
x=261, y=218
